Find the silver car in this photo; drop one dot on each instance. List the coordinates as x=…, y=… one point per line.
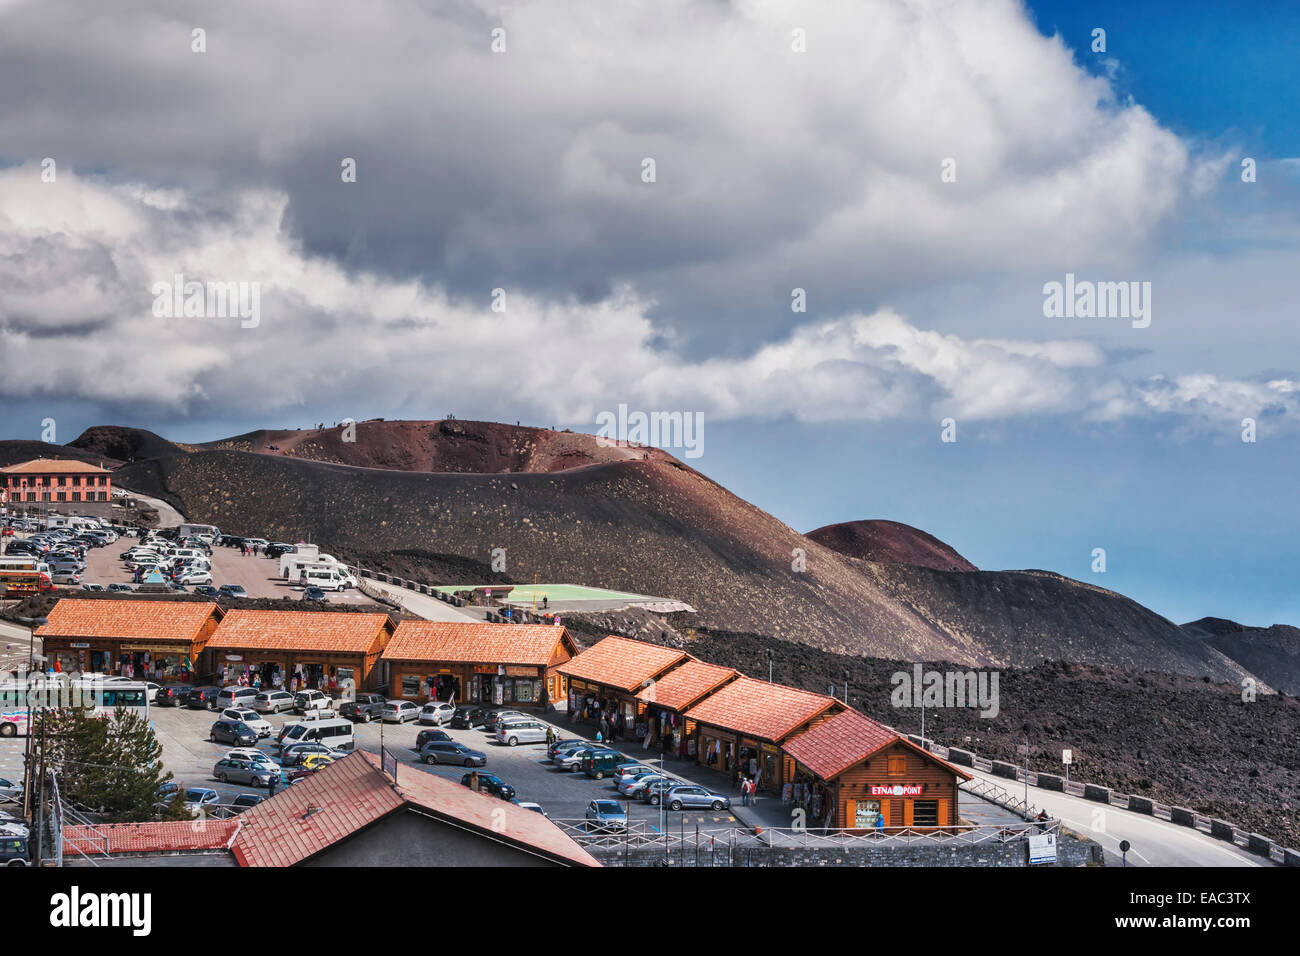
x=436, y=713
x=694, y=797
x=515, y=732
x=571, y=759
x=399, y=711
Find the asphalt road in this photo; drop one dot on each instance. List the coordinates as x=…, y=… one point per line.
x=1154, y=842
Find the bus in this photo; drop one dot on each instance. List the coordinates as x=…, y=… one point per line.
x=18, y=703
x=28, y=581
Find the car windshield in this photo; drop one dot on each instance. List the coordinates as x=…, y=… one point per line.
x=608, y=806
x=194, y=796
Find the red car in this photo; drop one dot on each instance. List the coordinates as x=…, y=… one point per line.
x=6, y=532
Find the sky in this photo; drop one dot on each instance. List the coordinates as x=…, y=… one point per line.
x=830, y=230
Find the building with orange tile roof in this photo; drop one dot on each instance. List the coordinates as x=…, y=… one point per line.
x=607, y=677
x=320, y=649
x=664, y=702
x=478, y=663
x=874, y=777
x=155, y=838
x=155, y=640
x=743, y=724
x=57, y=484
x=353, y=813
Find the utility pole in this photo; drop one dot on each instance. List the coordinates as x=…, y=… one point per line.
x=1026, y=770
x=769, y=665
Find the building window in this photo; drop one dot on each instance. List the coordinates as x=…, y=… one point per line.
x=63, y=496
x=76, y=496
x=897, y=765
x=45, y=496
x=62, y=481
x=925, y=813
x=867, y=813
x=410, y=685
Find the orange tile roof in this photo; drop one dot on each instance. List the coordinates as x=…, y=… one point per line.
x=329, y=631
x=756, y=708
x=53, y=466
x=683, y=686
x=135, y=620
x=833, y=746
x=622, y=663
x=474, y=643
x=353, y=793
x=170, y=836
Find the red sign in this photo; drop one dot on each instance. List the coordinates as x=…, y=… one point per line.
x=899, y=790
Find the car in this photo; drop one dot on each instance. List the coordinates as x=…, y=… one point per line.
x=495, y=717
x=251, y=754
x=571, y=759
x=466, y=717
x=91, y=586
x=535, y=807
x=314, y=761
x=65, y=577
x=273, y=701
x=313, y=593
x=207, y=590
x=194, y=577
x=177, y=587
x=515, y=732
x=605, y=815
x=277, y=548
x=630, y=783
x=298, y=773
x=309, y=700
x=232, y=732
x=172, y=695
x=198, y=799
x=428, y=736
x=202, y=698
x=120, y=587
x=449, y=751
x=251, y=718
x=650, y=791
x=631, y=770
x=244, y=801
x=565, y=743
x=601, y=763
x=436, y=712
x=244, y=771
x=364, y=707
x=488, y=783
x=166, y=793
x=399, y=711
x=233, y=591
x=692, y=796
x=294, y=754
x=261, y=543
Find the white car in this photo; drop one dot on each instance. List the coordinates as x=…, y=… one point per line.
x=436, y=713
x=195, y=577
x=252, y=754
x=273, y=701
x=251, y=717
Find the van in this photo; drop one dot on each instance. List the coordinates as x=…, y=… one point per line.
x=327, y=578
x=601, y=763
x=239, y=697
x=334, y=732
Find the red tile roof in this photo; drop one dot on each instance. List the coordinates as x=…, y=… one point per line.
x=136, y=620
x=475, y=643
x=683, y=686
x=170, y=836
x=337, y=631
x=353, y=793
x=53, y=466
x=622, y=663
x=756, y=708
x=833, y=746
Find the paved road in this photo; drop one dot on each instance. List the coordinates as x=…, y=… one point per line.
x=1154, y=842
x=431, y=609
x=168, y=517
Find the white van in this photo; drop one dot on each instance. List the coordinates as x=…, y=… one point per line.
x=334, y=732
x=335, y=578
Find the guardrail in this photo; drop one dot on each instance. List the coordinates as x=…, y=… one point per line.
x=1224, y=830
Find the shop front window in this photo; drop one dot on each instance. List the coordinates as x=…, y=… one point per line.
x=925, y=813
x=868, y=814
x=411, y=685
x=526, y=691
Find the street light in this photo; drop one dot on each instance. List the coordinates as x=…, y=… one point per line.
x=1026, y=770
x=769, y=665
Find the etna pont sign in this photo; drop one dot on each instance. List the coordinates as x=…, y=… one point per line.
x=899, y=790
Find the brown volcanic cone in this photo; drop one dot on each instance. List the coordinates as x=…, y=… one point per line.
x=890, y=542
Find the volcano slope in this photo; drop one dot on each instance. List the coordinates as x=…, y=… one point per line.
x=655, y=526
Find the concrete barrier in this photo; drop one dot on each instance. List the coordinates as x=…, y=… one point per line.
x=1222, y=830
x=1093, y=792
x=1002, y=769
x=1258, y=843
x=962, y=757
x=1290, y=857
x=1142, y=805
x=1182, y=816
x=1050, y=781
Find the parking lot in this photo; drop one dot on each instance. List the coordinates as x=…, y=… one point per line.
x=190, y=756
x=259, y=576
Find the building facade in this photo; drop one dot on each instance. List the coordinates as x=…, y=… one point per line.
x=55, y=484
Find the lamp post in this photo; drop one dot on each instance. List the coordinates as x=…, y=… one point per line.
x=846, y=687
x=1026, y=770
x=769, y=665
